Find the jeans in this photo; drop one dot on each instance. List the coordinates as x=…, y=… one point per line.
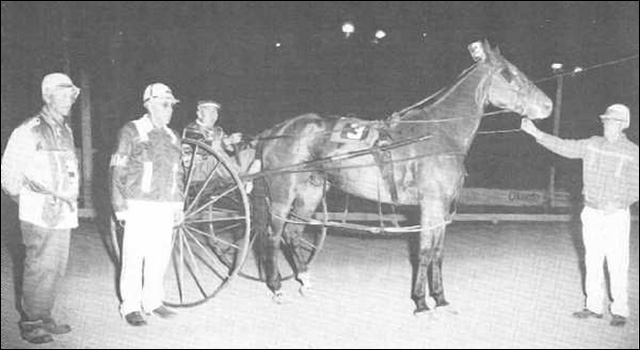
x=46, y=255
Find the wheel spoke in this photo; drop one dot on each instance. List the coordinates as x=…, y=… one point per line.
x=211, y=201
x=204, y=221
x=190, y=171
x=206, y=251
x=195, y=268
x=204, y=185
x=213, y=236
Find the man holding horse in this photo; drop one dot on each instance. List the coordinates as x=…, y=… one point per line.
x=610, y=175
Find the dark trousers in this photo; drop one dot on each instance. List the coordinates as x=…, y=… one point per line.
x=46, y=255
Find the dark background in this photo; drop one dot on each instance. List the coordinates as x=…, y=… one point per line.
x=227, y=51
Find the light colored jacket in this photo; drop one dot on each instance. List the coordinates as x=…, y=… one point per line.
x=41, y=151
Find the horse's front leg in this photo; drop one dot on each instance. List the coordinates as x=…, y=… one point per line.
x=307, y=200
x=272, y=271
x=429, y=264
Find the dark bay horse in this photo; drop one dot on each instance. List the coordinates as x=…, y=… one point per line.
x=428, y=172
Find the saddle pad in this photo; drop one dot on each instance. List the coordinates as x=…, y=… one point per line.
x=353, y=131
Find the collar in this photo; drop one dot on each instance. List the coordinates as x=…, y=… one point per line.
x=52, y=117
x=145, y=125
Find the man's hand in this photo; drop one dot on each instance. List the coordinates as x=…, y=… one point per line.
x=234, y=138
x=121, y=215
x=40, y=188
x=530, y=128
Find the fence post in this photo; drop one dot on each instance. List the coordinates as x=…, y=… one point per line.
x=557, y=69
x=87, y=144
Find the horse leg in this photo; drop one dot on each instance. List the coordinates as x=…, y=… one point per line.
x=431, y=242
x=436, y=288
x=305, y=205
x=281, y=196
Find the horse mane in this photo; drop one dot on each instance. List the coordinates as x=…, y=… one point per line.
x=437, y=106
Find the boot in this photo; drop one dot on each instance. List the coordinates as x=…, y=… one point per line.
x=34, y=332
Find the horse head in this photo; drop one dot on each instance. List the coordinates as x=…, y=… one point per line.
x=507, y=87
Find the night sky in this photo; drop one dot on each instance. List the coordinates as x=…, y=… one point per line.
x=269, y=61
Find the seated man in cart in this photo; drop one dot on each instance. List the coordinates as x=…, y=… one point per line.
x=205, y=130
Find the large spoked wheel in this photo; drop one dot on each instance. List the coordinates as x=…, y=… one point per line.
x=212, y=242
x=311, y=242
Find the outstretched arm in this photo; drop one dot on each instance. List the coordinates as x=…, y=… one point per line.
x=567, y=148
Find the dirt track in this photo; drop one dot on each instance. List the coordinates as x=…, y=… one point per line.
x=514, y=285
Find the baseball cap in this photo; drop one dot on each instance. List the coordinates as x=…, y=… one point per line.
x=158, y=91
x=209, y=103
x=54, y=81
x=617, y=112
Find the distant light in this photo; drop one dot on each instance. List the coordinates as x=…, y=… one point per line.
x=556, y=66
x=380, y=34
x=424, y=35
x=348, y=28
x=278, y=44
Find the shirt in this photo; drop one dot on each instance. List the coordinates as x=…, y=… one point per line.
x=41, y=150
x=610, y=169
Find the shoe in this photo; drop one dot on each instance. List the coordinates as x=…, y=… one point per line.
x=52, y=327
x=618, y=321
x=135, y=319
x=34, y=332
x=164, y=312
x=586, y=313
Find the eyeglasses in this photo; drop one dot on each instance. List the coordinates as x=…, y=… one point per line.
x=67, y=91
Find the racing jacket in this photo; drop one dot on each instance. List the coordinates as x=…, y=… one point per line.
x=146, y=166
x=39, y=167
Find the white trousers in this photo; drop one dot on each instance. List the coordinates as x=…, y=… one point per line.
x=145, y=255
x=606, y=237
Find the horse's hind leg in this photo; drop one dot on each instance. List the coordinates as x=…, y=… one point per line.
x=308, y=196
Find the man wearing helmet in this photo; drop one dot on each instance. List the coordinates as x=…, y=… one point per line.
x=40, y=172
x=147, y=194
x=610, y=175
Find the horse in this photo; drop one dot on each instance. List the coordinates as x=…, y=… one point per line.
x=424, y=168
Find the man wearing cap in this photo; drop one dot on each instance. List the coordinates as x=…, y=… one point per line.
x=610, y=176
x=204, y=129
x=147, y=195
x=40, y=172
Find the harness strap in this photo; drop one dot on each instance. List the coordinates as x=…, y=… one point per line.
x=384, y=161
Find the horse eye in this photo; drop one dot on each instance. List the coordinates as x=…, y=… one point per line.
x=507, y=74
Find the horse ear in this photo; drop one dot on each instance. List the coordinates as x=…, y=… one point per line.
x=477, y=51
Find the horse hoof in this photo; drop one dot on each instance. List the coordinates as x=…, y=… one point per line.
x=280, y=298
x=305, y=284
x=306, y=291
